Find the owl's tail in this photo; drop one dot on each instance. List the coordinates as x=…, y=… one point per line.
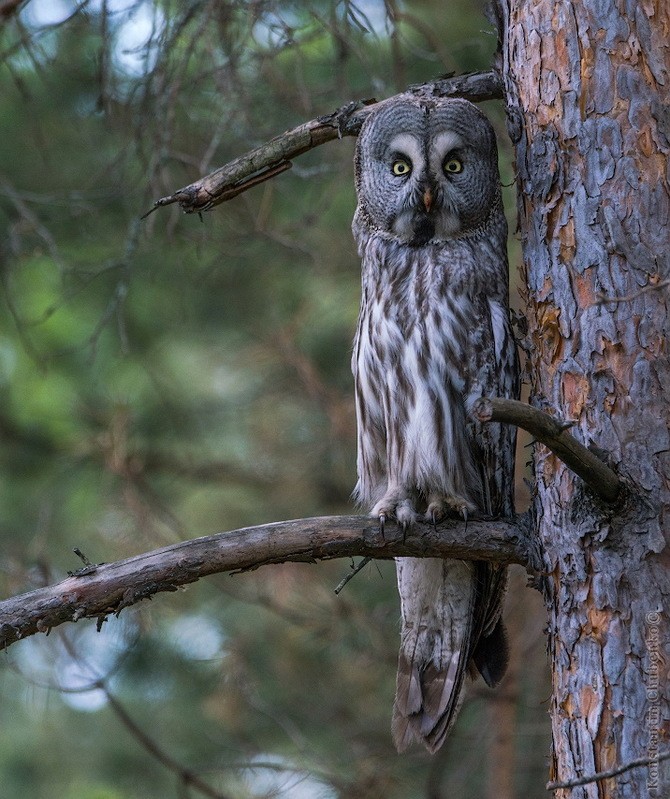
x=447, y=623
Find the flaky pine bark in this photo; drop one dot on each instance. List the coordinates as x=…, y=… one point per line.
x=587, y=89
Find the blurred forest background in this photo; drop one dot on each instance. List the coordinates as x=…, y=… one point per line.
x=175, y=377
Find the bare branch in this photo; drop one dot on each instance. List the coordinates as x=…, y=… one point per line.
x=275, y=156
x=553, y=434
x=186, y=776
x=109, y=588
x=606, y=775
x=354, y=571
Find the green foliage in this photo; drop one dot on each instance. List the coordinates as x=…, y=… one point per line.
x=171, y=378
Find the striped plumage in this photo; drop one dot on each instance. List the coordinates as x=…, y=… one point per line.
x=433, y=335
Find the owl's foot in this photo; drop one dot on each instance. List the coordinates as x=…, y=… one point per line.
x=441, y=505
x=395, y=505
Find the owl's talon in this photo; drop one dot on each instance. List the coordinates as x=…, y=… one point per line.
x=433, y=518
x=405, y=526
x=464, y=512
x=382, y=520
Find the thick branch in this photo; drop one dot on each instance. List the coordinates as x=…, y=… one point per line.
x=275, y=156
x=554, y=435
x=108, y=588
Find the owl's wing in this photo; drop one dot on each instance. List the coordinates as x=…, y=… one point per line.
x=494, y=445
x=497, y=376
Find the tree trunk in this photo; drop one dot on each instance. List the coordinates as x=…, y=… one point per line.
x=587, y=89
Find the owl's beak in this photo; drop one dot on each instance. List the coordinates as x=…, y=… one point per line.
x=428, y=200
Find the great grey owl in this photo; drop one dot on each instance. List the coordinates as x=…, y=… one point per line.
x=433, y=335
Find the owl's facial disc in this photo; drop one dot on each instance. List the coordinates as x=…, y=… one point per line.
x=421, y=176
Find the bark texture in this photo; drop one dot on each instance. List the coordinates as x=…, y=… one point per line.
x=587, y=89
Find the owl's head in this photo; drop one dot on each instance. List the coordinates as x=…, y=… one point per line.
x=426, y=170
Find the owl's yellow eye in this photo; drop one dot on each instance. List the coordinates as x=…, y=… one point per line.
x=401, y=167
x=453, y=166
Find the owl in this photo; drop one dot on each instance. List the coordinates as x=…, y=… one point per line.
x=433, y=335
